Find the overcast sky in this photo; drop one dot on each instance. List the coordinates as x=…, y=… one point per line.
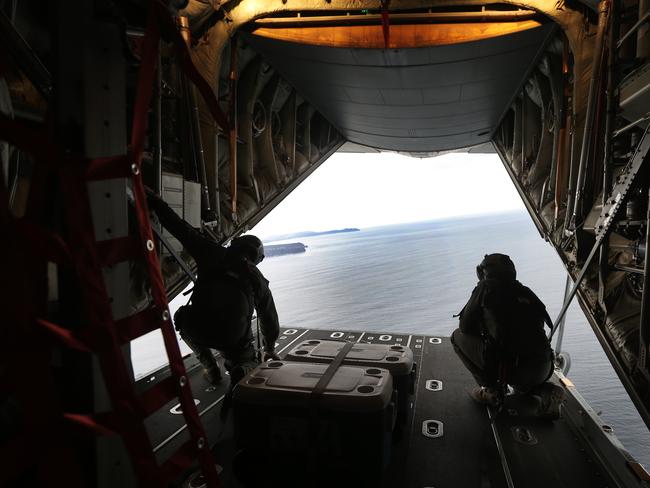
x=369, y=190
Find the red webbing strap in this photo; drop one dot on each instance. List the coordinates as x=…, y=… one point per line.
x=96, y=425
x=19, y=303
x=178, y=380
x=44, y=243
x=179, y=462
x=73, y=175
x=158, y=395
x=109, y=168
x=89, y=270
x=113, y=251
x=192, y=73
x=181, y=383
x=137, y=325
x=66, y=336
x=385, y=22
x=100, y=321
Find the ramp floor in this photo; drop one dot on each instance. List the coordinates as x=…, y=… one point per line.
x=538, y=453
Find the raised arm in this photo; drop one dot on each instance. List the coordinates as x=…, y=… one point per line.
x=189, y=236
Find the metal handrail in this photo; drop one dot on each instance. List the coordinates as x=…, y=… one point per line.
x=633, y=29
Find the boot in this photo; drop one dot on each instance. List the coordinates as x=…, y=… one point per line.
x=484, y=395
x=551, y=397
x=213, y=375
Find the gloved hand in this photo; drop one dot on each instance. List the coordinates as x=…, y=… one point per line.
x=270, y=355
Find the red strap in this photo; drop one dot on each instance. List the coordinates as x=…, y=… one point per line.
x=91, y=423
x=178, y=381
x=20, y=302
x=185, y=458
x=158, y=395
x=74, y=173
x=44, y=243
x=100, y=324
x=115, y=251
x=179, y=462
x=385, y=22
x=109, y=168
x=64, y=335
x=137, y=325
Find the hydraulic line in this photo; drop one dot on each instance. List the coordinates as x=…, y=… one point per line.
x=644, y=328
x=603, y=20
x=605, y=221
x=560, y=335
x=610, y=118
x=195, y=125
x=563, y=143
x=631, y=125
x=633, y=29
x=233, y=127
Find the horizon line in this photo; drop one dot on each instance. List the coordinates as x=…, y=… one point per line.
x=439, y=219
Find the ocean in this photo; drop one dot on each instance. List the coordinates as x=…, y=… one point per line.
x=412, y=278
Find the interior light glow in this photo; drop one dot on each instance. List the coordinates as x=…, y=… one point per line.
x=401, y=35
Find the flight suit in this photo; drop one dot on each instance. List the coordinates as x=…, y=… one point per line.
x=227, y=291
x=501, y=333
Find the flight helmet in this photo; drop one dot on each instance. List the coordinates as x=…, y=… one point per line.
x=498, y=267
x=250, y=246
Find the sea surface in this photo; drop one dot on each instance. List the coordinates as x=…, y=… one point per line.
x=412, y=278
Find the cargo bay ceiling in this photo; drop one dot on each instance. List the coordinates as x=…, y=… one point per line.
x=417, y=100
x=287, y=82
x=422, y=77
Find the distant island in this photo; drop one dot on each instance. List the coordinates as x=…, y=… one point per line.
x=271, y=250
x=308, y=233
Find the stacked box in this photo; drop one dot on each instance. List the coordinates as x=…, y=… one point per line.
x=324, y=437
x=395, y=358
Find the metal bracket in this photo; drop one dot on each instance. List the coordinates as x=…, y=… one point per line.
x=177, y=410
x=604, y=223
x=432, y=428
x=623, y=184
x=434, y=385
x=523, y=435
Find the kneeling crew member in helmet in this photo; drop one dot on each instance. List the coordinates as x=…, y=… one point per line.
x=227, y=290
x=501, y=338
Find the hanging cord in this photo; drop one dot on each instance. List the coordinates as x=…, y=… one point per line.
x=560, y=335
x=385, y=22
x=259, y=340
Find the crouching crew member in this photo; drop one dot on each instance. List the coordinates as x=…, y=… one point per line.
x=228, y=287
x=502, y=341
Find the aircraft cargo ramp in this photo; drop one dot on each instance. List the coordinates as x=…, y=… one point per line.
x=449, y=441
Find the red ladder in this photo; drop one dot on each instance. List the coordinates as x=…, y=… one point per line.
x=103, y=335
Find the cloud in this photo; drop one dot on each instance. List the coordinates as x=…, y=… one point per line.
x=368, y=190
